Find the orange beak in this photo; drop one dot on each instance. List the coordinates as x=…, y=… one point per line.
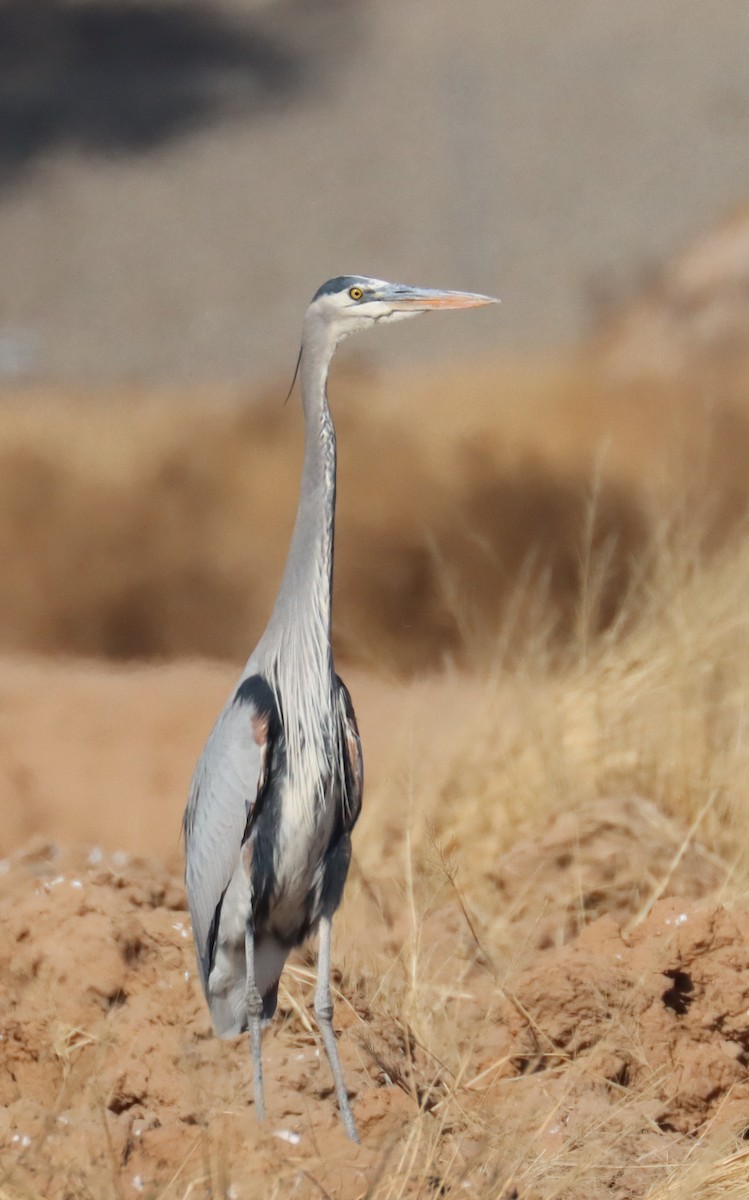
x=406, y=299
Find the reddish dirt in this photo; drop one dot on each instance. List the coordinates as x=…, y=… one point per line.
x=663, y=1010
x=645, y=1036
x=610, y=856
x=108, y=1068
x=110, y=1082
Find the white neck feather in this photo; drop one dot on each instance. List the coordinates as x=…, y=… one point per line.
x=295, y=652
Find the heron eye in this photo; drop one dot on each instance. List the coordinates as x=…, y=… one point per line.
x=355, y=293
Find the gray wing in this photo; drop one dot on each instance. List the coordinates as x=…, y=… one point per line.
x=226, y=790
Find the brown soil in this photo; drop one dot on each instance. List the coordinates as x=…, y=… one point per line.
x=110, y=1078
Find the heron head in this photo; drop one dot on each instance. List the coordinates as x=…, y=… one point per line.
x=352, y=302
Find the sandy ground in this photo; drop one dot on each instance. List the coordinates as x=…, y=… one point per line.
x=71, y=775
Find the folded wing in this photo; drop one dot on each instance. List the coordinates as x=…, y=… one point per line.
x=225, y=797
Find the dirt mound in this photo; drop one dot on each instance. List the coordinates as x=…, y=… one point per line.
x=109, y=1075
x=111, y=1083
x=651, y=1025
x=611, y=856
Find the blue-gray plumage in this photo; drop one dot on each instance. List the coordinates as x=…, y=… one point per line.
x=278, y=787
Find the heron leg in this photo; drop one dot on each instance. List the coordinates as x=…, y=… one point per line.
x=324, y=1015
x=254, y=1007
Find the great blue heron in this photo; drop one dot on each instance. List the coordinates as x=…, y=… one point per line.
x=278, y=787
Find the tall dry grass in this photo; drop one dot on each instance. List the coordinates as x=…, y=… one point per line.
x=627, y=757
x=142, y=525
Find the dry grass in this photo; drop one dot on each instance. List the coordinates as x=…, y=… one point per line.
x=132, y=526
x=655, y=708
x=655, y=705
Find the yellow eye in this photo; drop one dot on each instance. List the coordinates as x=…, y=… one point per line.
x=355, y=293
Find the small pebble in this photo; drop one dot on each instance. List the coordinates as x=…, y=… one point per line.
x=288, y=1135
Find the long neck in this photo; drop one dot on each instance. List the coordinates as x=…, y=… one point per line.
x=300, y=625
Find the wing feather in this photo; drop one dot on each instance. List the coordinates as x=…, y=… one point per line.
x=226, y=790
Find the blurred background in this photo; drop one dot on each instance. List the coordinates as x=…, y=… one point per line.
x=176, y=179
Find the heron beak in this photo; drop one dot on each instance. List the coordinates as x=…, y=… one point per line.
x=424, y=299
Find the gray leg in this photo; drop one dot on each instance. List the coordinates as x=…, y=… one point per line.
x=324, y=1014
x=254, y=1004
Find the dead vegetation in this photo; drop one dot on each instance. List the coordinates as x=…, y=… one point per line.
x=155, y=525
